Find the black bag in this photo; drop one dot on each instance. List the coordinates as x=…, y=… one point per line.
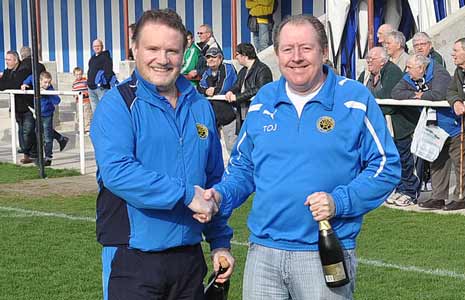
x=252, y=24
x=224, y=112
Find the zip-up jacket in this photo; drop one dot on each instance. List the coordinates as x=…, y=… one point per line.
x=47, y=102
x=151, y=156
x=101, y=62
x=436, y=80
x=339, y=145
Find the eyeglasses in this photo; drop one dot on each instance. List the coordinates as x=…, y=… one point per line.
x=370, y=59
x=420, y=44
x=200, y=33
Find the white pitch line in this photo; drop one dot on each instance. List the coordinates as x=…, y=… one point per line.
x=36, y=213
x=374, y=263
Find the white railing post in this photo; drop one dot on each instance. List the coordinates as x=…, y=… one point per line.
x=81, y=134
x=13, y=127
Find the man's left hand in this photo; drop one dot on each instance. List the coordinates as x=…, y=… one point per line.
x=226, y=253
x=321, y=205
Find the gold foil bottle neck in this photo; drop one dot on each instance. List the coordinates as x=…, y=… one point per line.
x=324, y=225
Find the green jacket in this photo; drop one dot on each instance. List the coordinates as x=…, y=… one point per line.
x=455, y=91
x=191, y=56
x=402, y=117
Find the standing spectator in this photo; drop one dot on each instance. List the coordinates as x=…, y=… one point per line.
x=310, y=139
x=155, y=143
x=47, y=107
x=217, y=80
x=80, y=85
x=131, y=29
x=423, y=45
x=191, y=57
x=395, y=48
x=207, y=41
x=100, y=73
x=384, y=75
x=427, y=80
x=13, y=77
x=456, y=97
x=383, y=30
x=253, y=75
x=261, y=15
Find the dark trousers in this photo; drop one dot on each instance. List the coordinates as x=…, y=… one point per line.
x=409, y=183
x=440, y=170
x=173, y=274
x=26, y=133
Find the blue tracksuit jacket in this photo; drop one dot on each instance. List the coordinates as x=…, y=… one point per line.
x=339, y=145
x=152, y=155
x=47, y=102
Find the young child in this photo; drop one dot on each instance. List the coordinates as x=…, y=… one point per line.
x=47, y=107
x=80, y=85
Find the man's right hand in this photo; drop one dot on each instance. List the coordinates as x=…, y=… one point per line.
x=459, y=108
x=204, y=209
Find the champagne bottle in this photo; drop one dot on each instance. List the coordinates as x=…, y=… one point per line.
x=218, y=291
x=332, y=256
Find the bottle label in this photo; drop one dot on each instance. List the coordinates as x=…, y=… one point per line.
x=334, y=272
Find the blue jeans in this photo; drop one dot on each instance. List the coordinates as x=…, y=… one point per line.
x=95, y=95
x=291, y=275
x=26, y=133
x=409, y=183
x=261, y=38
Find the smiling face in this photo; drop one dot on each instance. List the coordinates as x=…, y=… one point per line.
x=97, y=45
x=159, y=54
x=300, y=57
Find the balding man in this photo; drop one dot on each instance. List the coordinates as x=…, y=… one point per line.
x=99, y=74
x=383, y=30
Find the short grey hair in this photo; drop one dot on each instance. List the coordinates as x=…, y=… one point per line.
x=462, y=42
x=398, y=37
x=419, y=59
x=421, y=36
x=382, y=53
x=25, y=52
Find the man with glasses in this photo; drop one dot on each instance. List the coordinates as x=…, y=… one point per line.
x=383, y=76
x=423, y=45
x=207, y=41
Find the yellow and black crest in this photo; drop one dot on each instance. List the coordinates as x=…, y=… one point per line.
x=202, y=131
x=325, y=124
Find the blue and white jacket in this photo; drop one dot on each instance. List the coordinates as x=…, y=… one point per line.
x=150, y=156
x=339, y=145
x=47, y=102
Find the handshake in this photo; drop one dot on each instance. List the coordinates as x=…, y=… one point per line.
x=205, y=204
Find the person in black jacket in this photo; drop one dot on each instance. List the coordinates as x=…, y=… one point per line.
x=13, y=76
x=251, y=78
x=99, y=74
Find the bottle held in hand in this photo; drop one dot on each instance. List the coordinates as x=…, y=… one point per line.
x=214, y=290
x=332, y=257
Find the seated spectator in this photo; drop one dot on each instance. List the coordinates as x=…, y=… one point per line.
x=253, y=75
x=427, y=80
x=80, y=85
x=423, y=45
x=456, y=96
x=217, y=80
x=47, y=107
x=384, y=75
x=383, y=30
x=395, y=46
x=191, y=57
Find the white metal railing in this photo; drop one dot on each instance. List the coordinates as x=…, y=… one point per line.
x=407, y=102
x=14, y=130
